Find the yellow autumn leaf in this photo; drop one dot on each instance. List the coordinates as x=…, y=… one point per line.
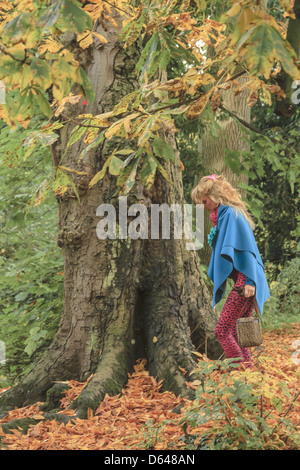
x=112, y=20
x=85, y=39
x=198, y=106
x=50, y=45
x=155, y=339
x=101, y=173
x=90, y=135
x=38, y=416
x=233, y=11
x=127, y=122
x=208, y=79
x=100, y=37
x=94, y=9
x=72, y=99
x=246, y=19
x=23, y=120
x=90, y=413
x=102, y=116
x=114, y=129
x=72, y=170
x=253, y=97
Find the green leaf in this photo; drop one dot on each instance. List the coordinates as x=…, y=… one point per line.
x=44, y=104
x=76, y=134
x=178, y=52
x=74, y=17
x=124, y=152
x=148, y=50
x=126, y=179
x=285, y=54
x=39, y=73
x=162, y=149
x=21, y=296
x=15, y=29
x=263, y=44
x=148, y=171
x=154, y=58
x=62, y=182
x=162, y=170
x=260, y=53
x=101, y=173
x=115, y=165
x=41, y=138
x=93, y=144
x=78, y=18
x=34, y=340
x=25, y=101
x=130, y=157
x=201, y=5
x=165, y=58
x=232, y=159
x=51, y=15
x=9, y=66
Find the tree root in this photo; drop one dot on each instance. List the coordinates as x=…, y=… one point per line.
x=156, y=327
x=23, y=424
x=110, y=378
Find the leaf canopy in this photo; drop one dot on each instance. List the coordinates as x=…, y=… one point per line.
x=33, y=60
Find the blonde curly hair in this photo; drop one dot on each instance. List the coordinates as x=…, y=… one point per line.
x=219, y=190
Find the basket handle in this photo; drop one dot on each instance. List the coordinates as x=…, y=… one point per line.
x=241, y=291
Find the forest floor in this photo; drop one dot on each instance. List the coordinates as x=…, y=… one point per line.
x=142, y=418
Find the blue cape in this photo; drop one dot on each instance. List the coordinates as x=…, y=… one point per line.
x=235, y=247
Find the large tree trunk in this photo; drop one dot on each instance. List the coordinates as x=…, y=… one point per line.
x=123, y=299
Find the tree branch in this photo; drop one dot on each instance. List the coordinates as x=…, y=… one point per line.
x=118, y=8
x=245, y=123
x=12, y=56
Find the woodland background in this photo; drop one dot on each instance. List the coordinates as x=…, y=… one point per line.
x=31, y=280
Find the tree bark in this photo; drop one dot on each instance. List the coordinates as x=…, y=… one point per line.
x=123, y=299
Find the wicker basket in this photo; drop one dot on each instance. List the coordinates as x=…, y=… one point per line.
x=249, y=331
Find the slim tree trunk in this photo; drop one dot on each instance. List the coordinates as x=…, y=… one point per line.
x=212, y=149
x=123, y=299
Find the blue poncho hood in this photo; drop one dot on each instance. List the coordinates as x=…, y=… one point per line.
x=235, y=247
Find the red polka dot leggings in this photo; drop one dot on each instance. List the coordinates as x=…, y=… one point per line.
x=225, y=330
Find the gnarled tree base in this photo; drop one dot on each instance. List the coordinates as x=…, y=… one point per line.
x=151, y=319
x=124, y=299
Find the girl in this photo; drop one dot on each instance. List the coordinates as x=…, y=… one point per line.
x=235, y=255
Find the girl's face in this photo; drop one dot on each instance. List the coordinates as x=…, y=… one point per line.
x=209, y=205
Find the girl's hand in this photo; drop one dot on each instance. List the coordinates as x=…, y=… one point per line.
x=249, y=291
